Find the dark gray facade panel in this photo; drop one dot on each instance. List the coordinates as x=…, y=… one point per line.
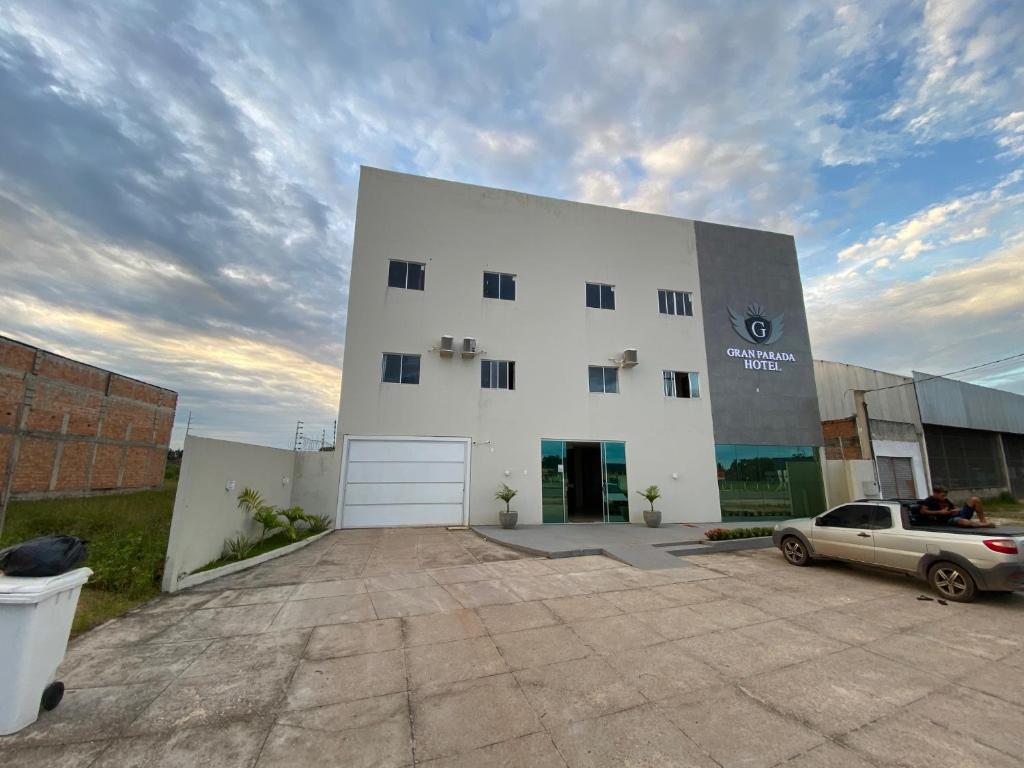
x=756, y=400
x=968, y=406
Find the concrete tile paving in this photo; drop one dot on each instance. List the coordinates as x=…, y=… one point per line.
x=409, y=647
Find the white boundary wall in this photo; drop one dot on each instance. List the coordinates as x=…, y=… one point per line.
x=214, y=472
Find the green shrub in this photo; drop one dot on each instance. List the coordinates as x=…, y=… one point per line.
x=720, y=534
x=318, y=523
x=237, y=548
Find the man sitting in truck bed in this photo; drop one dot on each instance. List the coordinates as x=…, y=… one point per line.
x=937, y=509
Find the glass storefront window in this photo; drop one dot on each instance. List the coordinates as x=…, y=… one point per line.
x=762, y=481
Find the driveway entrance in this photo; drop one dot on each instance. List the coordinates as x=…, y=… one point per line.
x=409, y=647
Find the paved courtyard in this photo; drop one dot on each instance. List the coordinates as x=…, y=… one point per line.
x=437, y=648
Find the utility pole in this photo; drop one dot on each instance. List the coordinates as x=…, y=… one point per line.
x=188, y=424
x=298, y=434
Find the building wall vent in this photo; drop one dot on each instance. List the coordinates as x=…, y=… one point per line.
x=629, y=358
x=469, y=347
x=447, y=348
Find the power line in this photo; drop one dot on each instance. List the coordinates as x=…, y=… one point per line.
x=944, y=375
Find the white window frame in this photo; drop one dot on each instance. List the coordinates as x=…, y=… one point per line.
x=672, y=303
x=604, y=380
x=515, y=285
x=668, y=384
x=401, y=367
x=600, y=295
x=494, y=374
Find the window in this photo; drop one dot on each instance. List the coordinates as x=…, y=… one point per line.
x=600, y=296
x=400, y=369
x=681, y=384
x=498, y=285
x=604, y=379
x=497, y=374
x=675, y=303
x=406, y=274
x=849, y=516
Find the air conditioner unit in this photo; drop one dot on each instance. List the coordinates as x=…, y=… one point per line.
x=469, y=347
x=629, y=358
x=447, y=348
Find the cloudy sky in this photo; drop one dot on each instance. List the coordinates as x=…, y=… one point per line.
x=177, y=179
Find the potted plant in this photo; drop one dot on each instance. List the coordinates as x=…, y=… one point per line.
x=508, y=518
x=651, y=516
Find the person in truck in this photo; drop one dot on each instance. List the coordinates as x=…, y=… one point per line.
x=937, y=509
x=968, y=511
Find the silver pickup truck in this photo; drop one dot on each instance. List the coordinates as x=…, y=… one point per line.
x=957, y=562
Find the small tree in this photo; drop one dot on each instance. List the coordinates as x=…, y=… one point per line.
x=250, y=501
x=266, y=518
x=652, y=493
x=506, y=494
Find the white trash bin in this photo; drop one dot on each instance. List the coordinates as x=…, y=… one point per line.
x=35, y=623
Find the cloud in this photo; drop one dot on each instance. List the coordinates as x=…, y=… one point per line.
x=953, y=317
x=958, y=220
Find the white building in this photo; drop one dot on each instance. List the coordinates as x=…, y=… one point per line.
x=575, y=352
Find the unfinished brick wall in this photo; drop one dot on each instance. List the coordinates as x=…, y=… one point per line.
x=841, y=439
x=68, y=429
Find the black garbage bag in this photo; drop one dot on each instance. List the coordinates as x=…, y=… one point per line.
x=45, y=556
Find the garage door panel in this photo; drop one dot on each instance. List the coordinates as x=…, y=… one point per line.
x=376, y=515
x=406, y=450
x=404, y=493
x=399, y=481
x=410, y=472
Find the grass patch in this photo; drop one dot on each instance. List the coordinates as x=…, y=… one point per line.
x=269, y=544
x=127, y=537
x=720, y=534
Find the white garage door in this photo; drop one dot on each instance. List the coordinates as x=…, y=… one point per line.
x=396, y=481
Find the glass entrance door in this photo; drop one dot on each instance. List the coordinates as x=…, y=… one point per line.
x=552, y=480
x=616, y=491
x=584, y=481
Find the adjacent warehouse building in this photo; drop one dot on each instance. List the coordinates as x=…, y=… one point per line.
x=896, y=435
x=575, y=352
x=68, y=428
x=975, y=435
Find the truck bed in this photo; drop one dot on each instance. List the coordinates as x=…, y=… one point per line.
x=998, y=531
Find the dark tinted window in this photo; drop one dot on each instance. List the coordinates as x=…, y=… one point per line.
x=406, y=274
x=508, y=287
x=392, y=369
x=607, y=297
x=415, y=282
x=594, y=295
x=397, y=272
x=603, y=379
x=675, y=302
x=611, y=380
x=849, y=516
x=498, y=285
x=497, y=374
x=400, y=369
x=410, y=369
x=881, y=518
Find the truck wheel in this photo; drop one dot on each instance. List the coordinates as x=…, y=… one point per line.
x=953, y=582
x=52, y=695
x=794, y=551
